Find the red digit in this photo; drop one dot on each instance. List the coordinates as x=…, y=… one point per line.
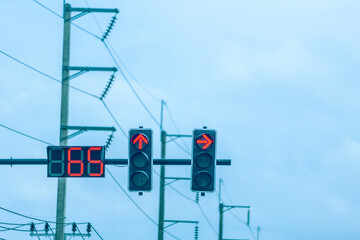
x=75, y=161
x=97, y=161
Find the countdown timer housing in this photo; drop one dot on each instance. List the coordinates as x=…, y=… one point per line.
x=69, y=161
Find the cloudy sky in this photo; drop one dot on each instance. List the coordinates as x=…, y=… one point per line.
x=278, y=80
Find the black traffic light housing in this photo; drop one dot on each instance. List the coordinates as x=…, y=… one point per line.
x=203, y=160
x=140, y=160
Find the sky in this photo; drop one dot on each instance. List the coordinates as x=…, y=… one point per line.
x=277, y=80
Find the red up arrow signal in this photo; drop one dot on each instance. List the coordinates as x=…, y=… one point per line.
x=140, y=141
x=204, y=141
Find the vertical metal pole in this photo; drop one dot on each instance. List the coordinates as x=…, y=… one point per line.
x=162, y=180
x=220, y=181
x=258, y=233
x=221, y=210
x=61, y=191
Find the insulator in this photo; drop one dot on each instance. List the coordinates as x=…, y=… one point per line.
x=108, y=30
x=88, y=228
x=108, y=141
x=197, y=197
x=32, y=227
x=73, y=229
x=196, y=234
x=47, y=226
x=108, y=86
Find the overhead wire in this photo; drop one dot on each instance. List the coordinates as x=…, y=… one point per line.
x=34, y=218
x=198, y=205
x=121, y=61
x=112, y=55
x=47, y=75
x=94, y=35
x=132, y=75
x=26, y=135
x=79, y=232
x=24, y=216
x=131, y=86
x=182, y=148
x=74, y=24
x=50, y=10
x=175, y=125
x=110, y=51
x=113, y=117
x=96, y=232
x=236, y=216
x=15, y=228
x=135, y=204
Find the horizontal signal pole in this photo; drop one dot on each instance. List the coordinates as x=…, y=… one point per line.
x=117, y=161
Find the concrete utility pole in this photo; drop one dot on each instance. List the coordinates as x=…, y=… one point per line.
x=162, y=179
x=221, y=211
x=61, y=191
x=223, y=208
x=164, y=135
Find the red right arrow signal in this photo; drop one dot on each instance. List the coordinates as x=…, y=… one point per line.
x=140, y=141
x=204, y=141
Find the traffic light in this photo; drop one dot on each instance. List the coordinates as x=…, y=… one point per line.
x=140, y=159
x=203, y=160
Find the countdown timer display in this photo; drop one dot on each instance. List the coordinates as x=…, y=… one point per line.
x=68, y=161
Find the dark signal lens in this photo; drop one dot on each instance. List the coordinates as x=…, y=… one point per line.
x=203, y=160
x=140, y=178
x=140, y=160
x=203, y=179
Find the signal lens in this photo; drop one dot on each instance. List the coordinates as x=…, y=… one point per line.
x=203, y=179
x=140, y=178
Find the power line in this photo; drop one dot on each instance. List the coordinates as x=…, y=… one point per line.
x=120, y=60
x=113, y=117
x=75, y=88
x=77, y=26
x=207, y=219
x=79, y=232
x=24, y=216
x=47, y=75
x=115, y=61
x=26, y=135
x=132, y=75
x=42, y=5
x=136, y=205
x=96, y=232
x=130, y=85
x=175, y=125
x=182, y=148
x=198, y=205
x=235, y=215
x=15, y=228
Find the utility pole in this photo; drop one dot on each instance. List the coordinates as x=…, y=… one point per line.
x=162, y=174
x=61, y=190
x=258, y=233
x=64, y=111
x=162, y=179
x=223, y=208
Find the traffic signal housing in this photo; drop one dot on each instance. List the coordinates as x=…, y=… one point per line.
x=203, y=160
x=140, y=160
